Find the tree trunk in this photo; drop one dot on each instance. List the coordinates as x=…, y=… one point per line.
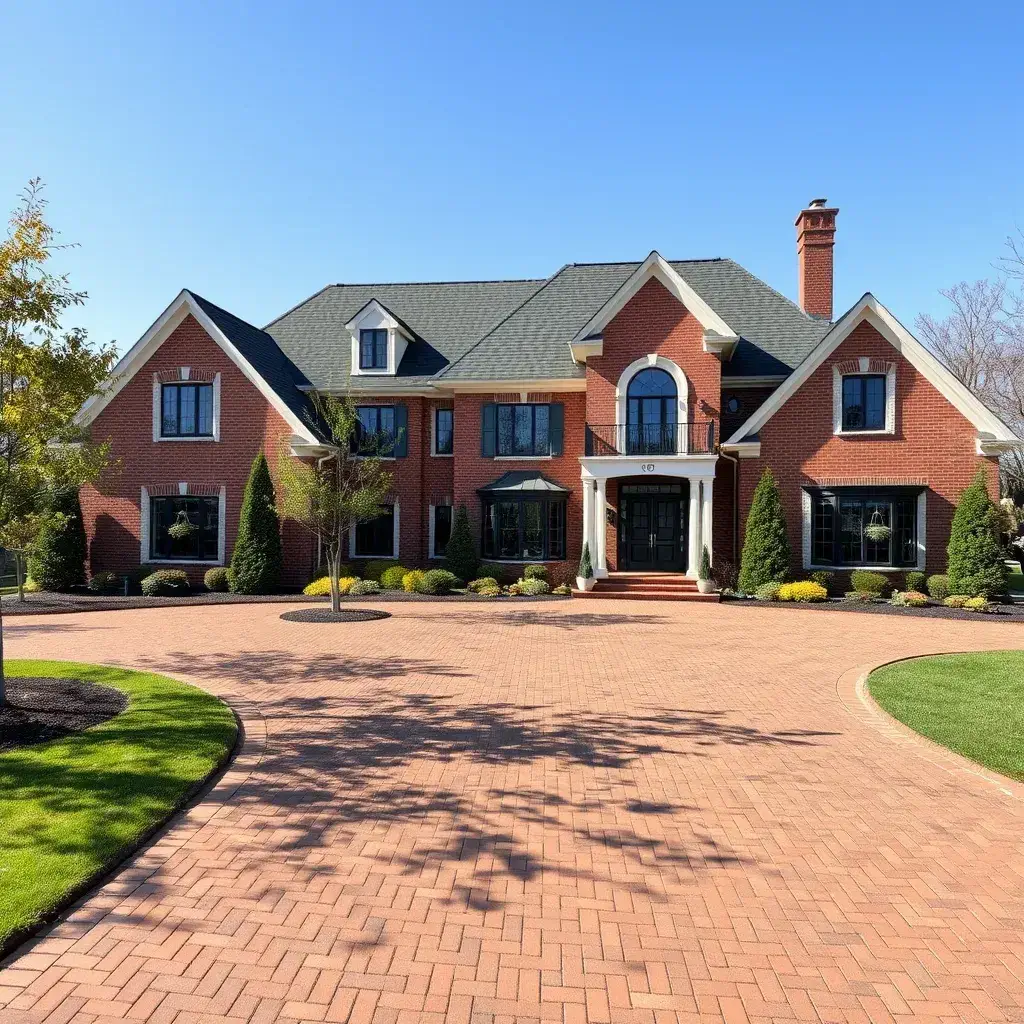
x=334, y=568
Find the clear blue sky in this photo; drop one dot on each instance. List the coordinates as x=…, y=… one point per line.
x=255, y=152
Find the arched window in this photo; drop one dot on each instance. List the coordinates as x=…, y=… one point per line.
x=651, y=404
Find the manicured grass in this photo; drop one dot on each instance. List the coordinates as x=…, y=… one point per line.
x=71, y=807
x=1016, y=581
x=970, y=703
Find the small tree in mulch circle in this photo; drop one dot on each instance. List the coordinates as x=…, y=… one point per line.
x=256, y=561
x=766, y=547
x=976, y=563
x=460, y=557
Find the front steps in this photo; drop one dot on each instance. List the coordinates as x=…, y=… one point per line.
x=641, y=586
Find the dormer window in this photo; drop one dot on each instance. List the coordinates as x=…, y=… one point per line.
x=373, y=349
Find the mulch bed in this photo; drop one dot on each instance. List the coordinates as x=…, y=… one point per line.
x=327, y=615
x=1001, y=613
x=42, y=708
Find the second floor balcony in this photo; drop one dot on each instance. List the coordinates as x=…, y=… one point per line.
x=694, y=437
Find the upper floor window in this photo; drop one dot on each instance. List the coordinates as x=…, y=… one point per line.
x=375, y=432
x=444, y=431
x=523, y=430
x=186, y=410
x=373, y=349
x=864, y=401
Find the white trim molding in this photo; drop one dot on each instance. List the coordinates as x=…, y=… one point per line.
x=374, y=316
x=744, y=449
x=993, y=434
x=431, y=526
x=855, y=368
x=434, y=409
x=183, y=305
x=719, y=337
x=352, y=553
x=183, y=490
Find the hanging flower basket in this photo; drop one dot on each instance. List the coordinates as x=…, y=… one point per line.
x=181, y=528
x=876, y=530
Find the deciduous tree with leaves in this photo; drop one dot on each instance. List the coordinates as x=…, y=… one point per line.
x=46, y=373
x=347, y=484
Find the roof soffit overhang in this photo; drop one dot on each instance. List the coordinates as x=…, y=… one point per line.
x=719, y=338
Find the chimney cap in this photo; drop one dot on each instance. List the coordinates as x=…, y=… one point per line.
x=817, y=204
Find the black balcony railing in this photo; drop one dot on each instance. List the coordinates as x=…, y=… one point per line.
x=696, y=437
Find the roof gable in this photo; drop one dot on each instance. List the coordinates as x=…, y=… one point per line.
x=993, y=434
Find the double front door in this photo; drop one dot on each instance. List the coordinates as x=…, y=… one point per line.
x=652, y=535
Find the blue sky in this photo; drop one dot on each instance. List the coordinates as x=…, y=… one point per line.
x=255, y=152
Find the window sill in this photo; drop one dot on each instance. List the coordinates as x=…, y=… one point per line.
x=862, y=568
x=442, y=455
x=520, y=561
x=522, y=458
x=199, y=437
x=182, y=561
x=358, y=555
x=865, y=433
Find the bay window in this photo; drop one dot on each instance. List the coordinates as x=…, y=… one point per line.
x=524, y=529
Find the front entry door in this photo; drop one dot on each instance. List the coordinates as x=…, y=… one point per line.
x=652, y=533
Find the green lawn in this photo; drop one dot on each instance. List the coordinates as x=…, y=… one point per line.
x=971, y=703
x=1016, y=581
x=71, y=807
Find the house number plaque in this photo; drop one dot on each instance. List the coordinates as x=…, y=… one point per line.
x=646, y=467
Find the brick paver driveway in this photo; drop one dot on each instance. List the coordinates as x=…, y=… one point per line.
x=640, y=812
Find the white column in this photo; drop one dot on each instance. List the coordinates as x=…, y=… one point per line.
x=693, y=527
x=588, y=516
x=706, y=519
x=601, y=528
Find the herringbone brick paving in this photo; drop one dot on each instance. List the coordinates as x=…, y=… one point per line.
x=542, y=813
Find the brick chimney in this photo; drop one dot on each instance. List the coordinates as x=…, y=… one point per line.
x=815, y=236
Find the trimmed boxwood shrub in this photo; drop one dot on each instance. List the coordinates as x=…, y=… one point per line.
x=938, y=586
x=438, y=581
x=256, y=561
x=411, y=581
x=484, y=583
x=391, y=578
x=216, y=579
x=909, y=599
x=804, y=591
x=824, y=578
x=868, y=582
x=166, y=583
x=916, y=582
x=101, y=581
x=536, y=572
x=766, y=554
x=533, y=587
x=976, y=564
x=58, y=560
x=956, y=600
x=375, y=569
x=460, y=557
x=362, y=587
x=978, y=604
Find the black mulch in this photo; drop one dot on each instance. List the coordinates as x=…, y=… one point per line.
x=326, y=615
x=1000, y=613
x=41, y=708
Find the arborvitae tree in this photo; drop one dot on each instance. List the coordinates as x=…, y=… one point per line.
x=58, y=560
x=766, y=547
x=976, y=563
x=256, y=562
x=586, y=570
x=460, y=555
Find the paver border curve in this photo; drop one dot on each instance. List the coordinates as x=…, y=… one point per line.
x=198, y=805
x=853, y=692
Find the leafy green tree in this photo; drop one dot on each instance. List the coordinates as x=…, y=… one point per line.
x=46, y=374
x=766, y=545
x=257, y=559
x=460, y=555
x=976, y=563
x=58, y=559
x=338, y=490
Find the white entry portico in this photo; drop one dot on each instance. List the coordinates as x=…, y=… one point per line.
x=698, y=470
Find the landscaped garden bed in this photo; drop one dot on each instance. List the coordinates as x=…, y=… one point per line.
x=971, y=703
x=72, y=807
x=996, y=612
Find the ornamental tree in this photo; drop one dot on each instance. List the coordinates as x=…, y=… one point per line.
x=976, y=563
x=766, y=545
x=256, y=561
x=346, y=485
x=46, y=374
x=460, y=557
x=58, y=559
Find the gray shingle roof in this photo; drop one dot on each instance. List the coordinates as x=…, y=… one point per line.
x=447, y=317
x=520, y=330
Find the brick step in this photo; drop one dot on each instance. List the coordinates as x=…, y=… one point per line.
x=646, y=585
x=644, y=595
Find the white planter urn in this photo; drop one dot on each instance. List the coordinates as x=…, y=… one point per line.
x=585, y=584
x=706, y=586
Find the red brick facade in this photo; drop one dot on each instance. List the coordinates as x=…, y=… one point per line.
x=933, y=444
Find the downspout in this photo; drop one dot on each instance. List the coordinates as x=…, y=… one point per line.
x=735, y=460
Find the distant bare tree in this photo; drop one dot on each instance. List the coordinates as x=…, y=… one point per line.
x=982, y=342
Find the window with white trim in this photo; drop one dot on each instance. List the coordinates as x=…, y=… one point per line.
x=184, y=529
x=373, y=349
x=186, y=409
x=376, y=538
x=863, y=528
x=440, y=529
x=864, y=401
x=444, y=431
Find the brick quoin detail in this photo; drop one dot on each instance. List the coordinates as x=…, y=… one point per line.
x=933, y=444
